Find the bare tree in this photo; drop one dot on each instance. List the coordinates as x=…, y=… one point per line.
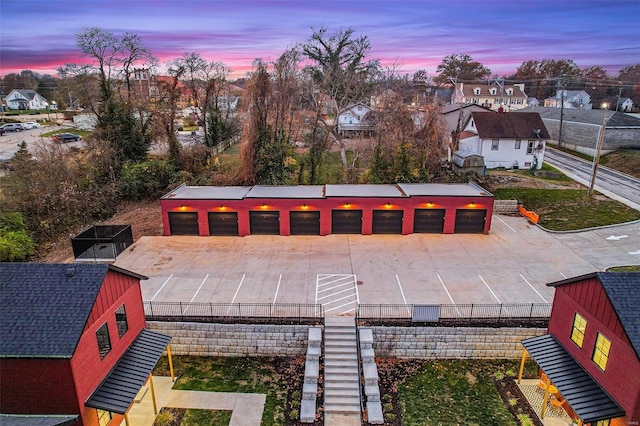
x=341, y=74
x=133, y=54
x=102, y=46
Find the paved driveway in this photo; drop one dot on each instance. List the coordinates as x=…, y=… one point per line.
x=511, y=265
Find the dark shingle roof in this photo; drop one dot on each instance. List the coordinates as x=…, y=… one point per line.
x=44, y=307
x=623, y=291
x=510, y=125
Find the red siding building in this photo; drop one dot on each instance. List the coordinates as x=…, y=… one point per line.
x=64, y=331
x=327, y=209
x=595, y=322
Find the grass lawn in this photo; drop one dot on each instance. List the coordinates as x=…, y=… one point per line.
x=206, y=417
x=449, y=392
x=569, y=209
x=82, y=133
x=221, y=374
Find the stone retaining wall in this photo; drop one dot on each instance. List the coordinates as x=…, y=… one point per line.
x=207, y=339
x=505, y=206
x=451, y=342
x=210, y=339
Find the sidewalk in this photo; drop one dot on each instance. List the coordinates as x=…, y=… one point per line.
x=247, y=407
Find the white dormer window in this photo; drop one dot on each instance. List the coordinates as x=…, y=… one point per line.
x=476, y=91
x=493, y=91
x=510, y=92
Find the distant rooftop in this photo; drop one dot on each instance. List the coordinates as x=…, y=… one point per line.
x=364, y=190
x=185, y=192
x=446, y=189
x=302, y=191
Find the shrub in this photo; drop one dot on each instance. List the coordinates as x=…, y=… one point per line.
x=164, y=418
x=390, y=417
x=15, y=244
x=294, y=414
x=148, y=179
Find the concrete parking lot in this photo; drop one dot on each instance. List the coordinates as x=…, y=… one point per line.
x=510, y=265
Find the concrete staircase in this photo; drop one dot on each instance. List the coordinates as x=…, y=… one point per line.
x=341, y=368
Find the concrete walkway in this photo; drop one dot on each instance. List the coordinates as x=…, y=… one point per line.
x=247, y=407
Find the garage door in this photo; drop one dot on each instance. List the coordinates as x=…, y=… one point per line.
x=183, y=223
x=264, y=223
x=346, y=221
x=470, y=221
x=223, y=223
x=387, y=222
x=305, y=223
x=428, y=221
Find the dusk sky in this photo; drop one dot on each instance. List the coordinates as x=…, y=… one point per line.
x=40, y=35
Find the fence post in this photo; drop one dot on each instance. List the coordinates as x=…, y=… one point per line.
x=181, y=312
x=471, y=314
x=151, y=308
x=531, y=313
x=499, y=312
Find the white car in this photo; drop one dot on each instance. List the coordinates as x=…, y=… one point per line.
x=31, y=125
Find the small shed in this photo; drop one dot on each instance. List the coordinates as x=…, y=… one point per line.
x=467, y=162
x=101, y=242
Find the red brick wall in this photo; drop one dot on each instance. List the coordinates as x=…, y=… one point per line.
x=623, y=364
x=87, y=367
x=37, y=386
x=367, y=205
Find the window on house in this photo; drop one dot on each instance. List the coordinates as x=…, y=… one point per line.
x=104, y=417
x=579, y=327
x=518, y=141
x=530, y=145
x=603, y=423
x=519, y=101
x=493, y=91
x=121, y=321
x=104, y=343
x=476, y=91
x=494, y=144
x=601, y=351
x=527, y=164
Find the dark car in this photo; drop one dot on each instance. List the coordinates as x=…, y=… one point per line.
x=12, y=127
x=65, y=137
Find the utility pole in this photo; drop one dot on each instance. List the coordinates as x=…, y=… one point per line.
x=561, y=85
x=618, y=102
x=596, y=158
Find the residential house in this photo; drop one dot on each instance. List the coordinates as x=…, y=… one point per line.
x=25, y=99
x=581, y=128
x=511, y=140
x=354, y=121
x=591, y=354
x=507, y=97
x=455, y=116
x=578, y=99
x=69, y=336
x=616, y=103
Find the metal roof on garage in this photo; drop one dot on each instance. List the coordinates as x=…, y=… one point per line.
x=184, y=192
x=273, y=191
x=120, y=387
x=589, y=401
x=363, y=190
x=444, y=189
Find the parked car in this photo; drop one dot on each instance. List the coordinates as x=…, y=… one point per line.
x=31, y=125
x=12, y=127
x=65, y=137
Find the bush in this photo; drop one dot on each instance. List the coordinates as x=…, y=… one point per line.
x=148, y=179
x=15, y=244
x=390, y=417
x=294, y=414
x=164, y=418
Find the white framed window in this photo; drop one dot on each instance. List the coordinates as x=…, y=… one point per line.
x=476, y=91
x=495, y=143
x=509, y=92
x=518, y=143
x=530, y=145
x=527, y=165
x=493, y=91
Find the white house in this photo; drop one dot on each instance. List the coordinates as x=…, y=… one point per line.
x=510, y=140
x=353, y=121
x=25, y=99
x=578, y=99
x=507, y=97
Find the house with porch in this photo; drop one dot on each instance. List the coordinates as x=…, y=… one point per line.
x=578, y=99
x=73, y=345
x=25, y=99
x=510, y=140
x=508, y=97
x=590, y=358
x=354, y=121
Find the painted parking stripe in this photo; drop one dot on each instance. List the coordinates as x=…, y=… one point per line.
x=160, y=289
x=487, y=285
x=563, y=275
x=277, y=289
x=448, y=294
x=505, y=224
x=196, y=293
x=237, y=290
x=401, y=292
x=337, y=292
x=532, y=288
x=332, y=289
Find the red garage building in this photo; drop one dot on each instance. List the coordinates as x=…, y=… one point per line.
x=592, y=352
x=327, y=209
x=73, y=344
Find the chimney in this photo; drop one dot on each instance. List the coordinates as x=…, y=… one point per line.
x=500, y=110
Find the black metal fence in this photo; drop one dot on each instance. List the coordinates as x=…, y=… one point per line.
x=102, y=242
x=527, y=312
x=185, y=311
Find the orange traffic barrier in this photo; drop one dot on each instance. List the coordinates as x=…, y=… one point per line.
x=533, y=217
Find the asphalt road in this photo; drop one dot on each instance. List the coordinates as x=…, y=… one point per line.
x=609, y=182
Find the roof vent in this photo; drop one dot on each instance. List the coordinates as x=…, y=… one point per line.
x=70, y=272
x=537, y=132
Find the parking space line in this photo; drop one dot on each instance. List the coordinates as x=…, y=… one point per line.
x=198, y=290
x=160, y=289
x=401, y=292
x=563, y=275
x=277, y=289
x=341, y=278
x=238, y=290
x=487, y=285
x=337, y=307
x=342, y=298
x=355, y=286
x=331, y=288
x=505, y=224
x=447, y=291
x=532, y=288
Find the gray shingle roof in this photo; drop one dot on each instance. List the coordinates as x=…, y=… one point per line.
x=44, y=307
x=587, y=116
